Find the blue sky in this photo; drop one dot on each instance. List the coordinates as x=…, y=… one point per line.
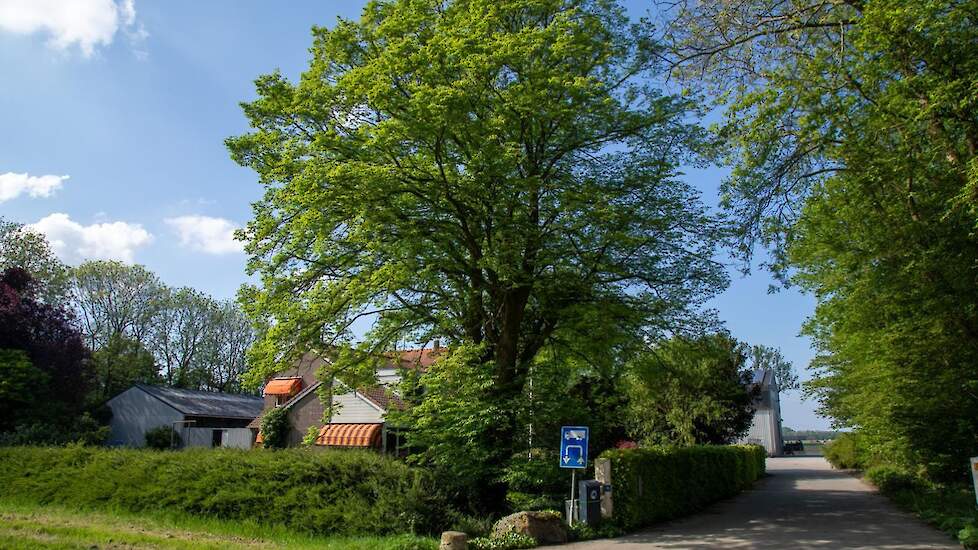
x=132, y=100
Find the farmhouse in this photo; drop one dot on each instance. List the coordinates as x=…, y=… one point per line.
x=359, y=415
x=202, y=419
x=765, y=429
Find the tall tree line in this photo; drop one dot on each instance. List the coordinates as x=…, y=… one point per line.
x=137, y=328
x=852, y=126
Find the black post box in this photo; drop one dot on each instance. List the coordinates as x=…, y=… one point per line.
x=589, y=509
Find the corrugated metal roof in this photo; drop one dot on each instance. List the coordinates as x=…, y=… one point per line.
x=205, y=403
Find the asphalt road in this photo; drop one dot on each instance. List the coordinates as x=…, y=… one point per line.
x=803, y=503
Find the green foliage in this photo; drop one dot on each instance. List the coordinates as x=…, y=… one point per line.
x=605, y=530
x=311, y=435
x=455, y=417
x=313, y=492
x=196, y=341
x=509, y=541
x=275, y=428
x=764, y=357
x=163, y=437
x=968, y=536
x=119, y=364
x=659, y=483
x=688, y=391
x=81, y=430
x=500, y=175
x=21, y=385
x=851, y=126
x=534, y=481
x=846, y=451
x=890, y=479
x=21, y=247
x=473, y=526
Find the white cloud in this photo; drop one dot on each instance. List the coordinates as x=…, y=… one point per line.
x=85, y=23
x=74, y=242
x=14, y=185
x=206, y=234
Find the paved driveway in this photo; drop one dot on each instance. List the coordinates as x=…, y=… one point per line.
x=804, y=503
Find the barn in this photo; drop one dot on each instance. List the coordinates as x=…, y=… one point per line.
x=201, y=418
x=765, y=429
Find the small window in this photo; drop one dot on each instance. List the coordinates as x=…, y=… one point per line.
x=217, y=438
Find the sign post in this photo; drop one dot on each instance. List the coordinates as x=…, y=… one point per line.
x=573, y=455
x=974, y=476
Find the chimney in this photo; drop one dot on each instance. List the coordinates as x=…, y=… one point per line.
x=437, y=344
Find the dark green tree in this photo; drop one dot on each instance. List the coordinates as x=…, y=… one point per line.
x=689, y=391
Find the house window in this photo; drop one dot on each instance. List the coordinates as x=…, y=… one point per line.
x=218, y=438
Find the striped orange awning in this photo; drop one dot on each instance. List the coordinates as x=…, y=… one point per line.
x=350, y=435
x=283, y=386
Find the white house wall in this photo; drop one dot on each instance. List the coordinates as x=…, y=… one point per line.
x=135, y=412
x=353, y=409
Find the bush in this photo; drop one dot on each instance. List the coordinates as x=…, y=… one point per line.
x=162, y=438
x=84, y=430
x=321, y=492
x=845, y=452
x=509, y=541
x=659, y=483
x=890, y=479
x=275, y=428
x=968, y=536
x=535, y=482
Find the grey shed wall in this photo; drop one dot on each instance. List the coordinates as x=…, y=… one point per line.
x=134, y=412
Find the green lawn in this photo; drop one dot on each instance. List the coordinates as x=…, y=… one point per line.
x=24, y=526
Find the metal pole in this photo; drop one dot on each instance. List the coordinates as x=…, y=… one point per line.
x=573, y=506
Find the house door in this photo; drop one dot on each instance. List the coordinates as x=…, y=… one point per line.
x=218, y=438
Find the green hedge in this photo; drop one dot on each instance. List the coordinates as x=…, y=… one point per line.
x=332, y=492
x=660, y=483
x=846, y=452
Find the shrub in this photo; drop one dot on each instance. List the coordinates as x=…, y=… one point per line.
x=659, y=483
x=890, y=479
x=162, y=438
x=535, y=482
x=968, y=536
x=509, y=541
x=275, y=428
x=84, y=430
x=846, y=452
x=321, y=492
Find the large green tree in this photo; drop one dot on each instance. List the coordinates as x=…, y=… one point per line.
x=853, y=128
x=476, y=170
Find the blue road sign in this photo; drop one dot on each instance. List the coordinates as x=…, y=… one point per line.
x=573, y=446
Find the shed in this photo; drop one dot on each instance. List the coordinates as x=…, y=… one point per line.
x=202, y=418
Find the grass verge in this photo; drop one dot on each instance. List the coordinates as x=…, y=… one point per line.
x=30, y=526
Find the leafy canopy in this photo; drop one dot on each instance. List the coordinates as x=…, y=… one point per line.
x=482, y=171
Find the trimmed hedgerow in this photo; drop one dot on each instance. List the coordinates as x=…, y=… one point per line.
x=338, y=492
x=659, y=483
